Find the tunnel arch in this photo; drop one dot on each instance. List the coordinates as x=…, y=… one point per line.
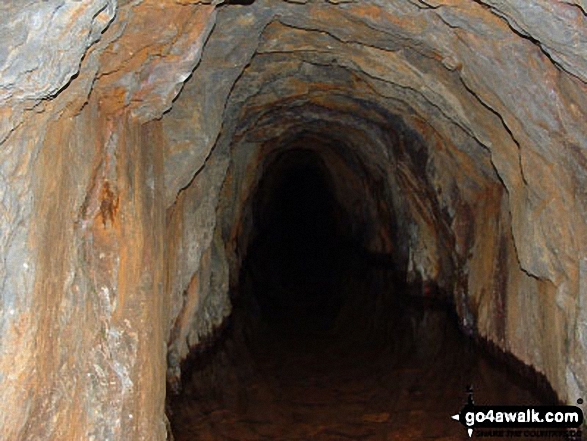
x=369, y=219
x=381, y=141
x=457, y=161
x=129, y=158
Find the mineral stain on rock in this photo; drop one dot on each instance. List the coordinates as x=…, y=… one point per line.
x=141, y=147
x=108, y=204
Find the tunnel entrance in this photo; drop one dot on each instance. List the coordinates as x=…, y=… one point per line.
x=323, y=342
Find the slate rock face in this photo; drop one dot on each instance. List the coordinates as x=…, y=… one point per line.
x=45, y=43
x=134, y=135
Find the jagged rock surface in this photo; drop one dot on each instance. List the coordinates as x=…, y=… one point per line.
x=134, y=135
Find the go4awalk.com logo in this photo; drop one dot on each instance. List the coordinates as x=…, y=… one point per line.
x=549, y=420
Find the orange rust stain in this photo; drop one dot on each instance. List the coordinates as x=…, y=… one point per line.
x=108, y=204
x=374, y=13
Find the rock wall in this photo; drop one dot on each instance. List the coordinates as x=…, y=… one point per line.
x=84, y=312
x=135, y=134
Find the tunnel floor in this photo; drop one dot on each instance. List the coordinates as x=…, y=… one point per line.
x=285, y=380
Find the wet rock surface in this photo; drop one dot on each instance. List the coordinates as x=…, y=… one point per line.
x=134, y=135
x=292, y=378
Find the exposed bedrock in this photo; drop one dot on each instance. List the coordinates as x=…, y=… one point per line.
x=138, y=137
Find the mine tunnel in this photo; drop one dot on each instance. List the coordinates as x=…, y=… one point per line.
x=327, y=338
x=290, y=220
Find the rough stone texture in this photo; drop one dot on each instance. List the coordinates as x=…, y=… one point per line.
x=77, y=161
x=458, y=127
x=46, y=42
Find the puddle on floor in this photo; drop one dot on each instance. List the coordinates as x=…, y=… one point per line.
x=287, y=384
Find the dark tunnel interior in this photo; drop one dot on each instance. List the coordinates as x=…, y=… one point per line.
x=294, y=262
x=324, y=342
